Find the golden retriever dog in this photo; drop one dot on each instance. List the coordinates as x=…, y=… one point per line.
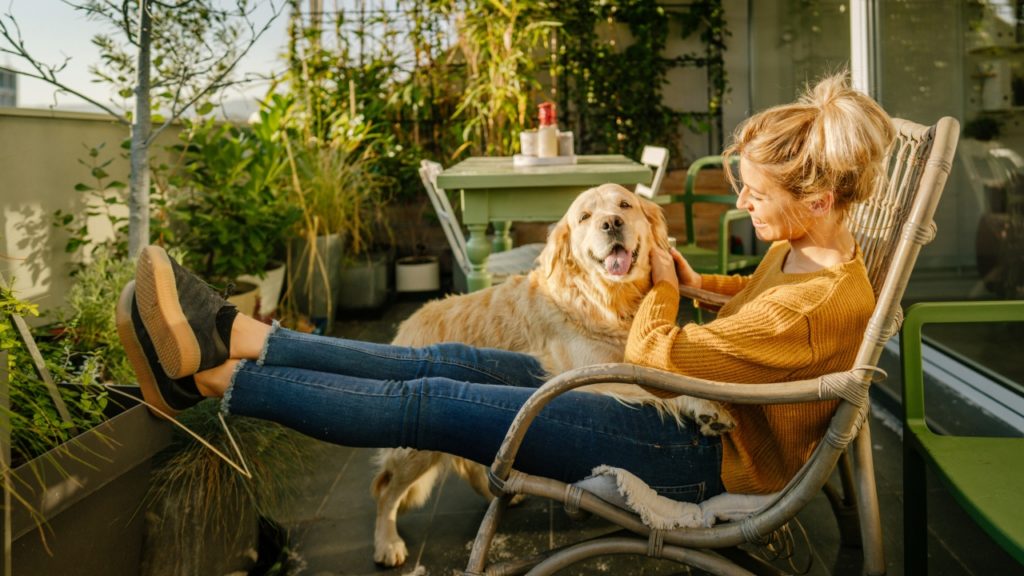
x=573, y=310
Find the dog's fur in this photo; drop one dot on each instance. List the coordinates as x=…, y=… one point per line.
x=570, y=311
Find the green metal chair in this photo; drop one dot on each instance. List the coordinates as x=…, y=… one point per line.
x=719, y=260
x=983, y=474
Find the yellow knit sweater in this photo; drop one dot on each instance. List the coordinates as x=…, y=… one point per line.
x=777, y=327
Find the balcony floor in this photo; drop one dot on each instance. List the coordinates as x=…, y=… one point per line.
x=331, y=522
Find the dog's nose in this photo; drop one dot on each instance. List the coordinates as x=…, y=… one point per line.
x=611, y=224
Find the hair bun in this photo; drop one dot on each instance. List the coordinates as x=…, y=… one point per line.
x=830, y=142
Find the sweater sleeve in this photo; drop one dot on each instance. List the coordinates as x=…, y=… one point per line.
x=724, y=284
x=654, y=327
x=764, y=341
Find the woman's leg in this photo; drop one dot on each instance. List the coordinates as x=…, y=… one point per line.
x=572, y=435
x=288, y=348
x=191, y=329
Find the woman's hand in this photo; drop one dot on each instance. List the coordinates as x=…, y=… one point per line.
x=670, y=266
x=663, y=268
x=687, y=275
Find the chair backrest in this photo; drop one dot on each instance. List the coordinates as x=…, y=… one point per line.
x=917, y=173
x=690, y=196
x=891, y=227
x=657, y=158
x=439, y=198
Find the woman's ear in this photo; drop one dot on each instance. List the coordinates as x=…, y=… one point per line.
x=822, y=205
x=656, y=218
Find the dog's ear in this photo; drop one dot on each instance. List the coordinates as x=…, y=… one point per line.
x=557, y=251
x=656, y=217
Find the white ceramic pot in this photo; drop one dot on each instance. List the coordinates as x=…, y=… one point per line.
x=417, y=274
x=244, y=298
x=270, y=289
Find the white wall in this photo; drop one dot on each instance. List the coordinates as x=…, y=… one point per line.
x=39, y=167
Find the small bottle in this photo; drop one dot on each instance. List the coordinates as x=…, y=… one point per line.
x=547, y=133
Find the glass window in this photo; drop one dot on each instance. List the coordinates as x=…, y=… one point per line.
x=934, y=58
x=966, y=59
x=792, y=43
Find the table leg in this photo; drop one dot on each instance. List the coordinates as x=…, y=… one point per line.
x=478, y=249
x=502, y=240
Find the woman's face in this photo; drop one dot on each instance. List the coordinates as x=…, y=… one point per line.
x=775, y=214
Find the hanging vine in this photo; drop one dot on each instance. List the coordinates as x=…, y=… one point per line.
x=611, y=68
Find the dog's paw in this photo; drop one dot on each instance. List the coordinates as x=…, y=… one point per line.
x=714, y=422
x=391, y=554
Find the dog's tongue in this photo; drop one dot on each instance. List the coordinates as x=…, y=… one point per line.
x=618, y=262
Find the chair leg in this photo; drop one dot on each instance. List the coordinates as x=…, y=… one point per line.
x=485, y=534
x=867, y=503
x=844, y=504
x=915, y=509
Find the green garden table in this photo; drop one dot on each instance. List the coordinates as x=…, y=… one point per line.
x=492, y=190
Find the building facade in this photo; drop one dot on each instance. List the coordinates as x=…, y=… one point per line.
x=8, y=89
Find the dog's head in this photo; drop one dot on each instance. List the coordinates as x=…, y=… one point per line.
x=600, y=250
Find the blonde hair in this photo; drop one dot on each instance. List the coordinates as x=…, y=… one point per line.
x=831, y=141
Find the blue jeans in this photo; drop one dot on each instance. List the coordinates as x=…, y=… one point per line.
x=458, y=399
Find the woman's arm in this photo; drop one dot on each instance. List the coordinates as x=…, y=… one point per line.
x=727, y=285
x=762, y=341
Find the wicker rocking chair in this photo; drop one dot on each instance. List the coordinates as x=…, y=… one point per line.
x=890, y=229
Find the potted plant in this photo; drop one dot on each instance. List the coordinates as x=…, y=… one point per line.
x=206, y=518
x=229, y=216
x=339, y=196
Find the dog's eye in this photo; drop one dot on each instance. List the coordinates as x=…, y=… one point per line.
x=624, y=204
x=584, y=216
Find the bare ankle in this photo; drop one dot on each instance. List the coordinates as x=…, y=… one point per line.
x=213, y=383
x=248, y=336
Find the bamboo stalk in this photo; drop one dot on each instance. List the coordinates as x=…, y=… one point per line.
x=37, y=360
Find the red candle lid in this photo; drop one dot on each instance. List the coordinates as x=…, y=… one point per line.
x=546, y=113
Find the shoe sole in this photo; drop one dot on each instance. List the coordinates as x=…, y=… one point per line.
x=161, y=313
x=137, y=358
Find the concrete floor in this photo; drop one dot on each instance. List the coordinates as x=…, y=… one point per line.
x=331, y=520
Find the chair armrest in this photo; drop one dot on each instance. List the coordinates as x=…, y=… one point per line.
x=809, y=390
x=705, y=296
x=941, y=312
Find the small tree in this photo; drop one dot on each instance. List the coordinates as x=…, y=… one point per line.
x=165, y=56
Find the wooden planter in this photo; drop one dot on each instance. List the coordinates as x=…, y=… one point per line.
x=89, y=491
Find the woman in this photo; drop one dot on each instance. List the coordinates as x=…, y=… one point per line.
x=799, y=315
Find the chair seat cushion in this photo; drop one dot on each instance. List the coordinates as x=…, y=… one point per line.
x=621, y=488
x=518, y=260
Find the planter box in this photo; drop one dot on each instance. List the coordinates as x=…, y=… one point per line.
x=90, y=491
x=313, y=296
x=364, y=286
